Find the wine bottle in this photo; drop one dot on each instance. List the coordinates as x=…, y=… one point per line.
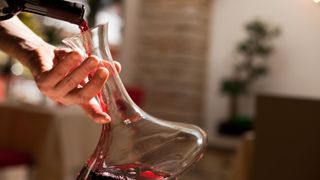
x=59, y=9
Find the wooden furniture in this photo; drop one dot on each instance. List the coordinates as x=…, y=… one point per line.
x=59, y=139
x=243, y=163
x=15, y=165
x=287, y=142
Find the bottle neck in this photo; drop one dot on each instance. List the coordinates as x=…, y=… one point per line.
x=57, y=9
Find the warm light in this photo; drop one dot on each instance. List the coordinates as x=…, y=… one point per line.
x=316, y=1
x=17, y=69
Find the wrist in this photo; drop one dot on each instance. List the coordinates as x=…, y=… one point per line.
x=39, y=56
x=22, y=44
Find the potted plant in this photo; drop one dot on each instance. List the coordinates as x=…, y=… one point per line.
x=253, y=52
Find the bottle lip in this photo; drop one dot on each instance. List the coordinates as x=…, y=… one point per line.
x=83, y=9
x=79, y=19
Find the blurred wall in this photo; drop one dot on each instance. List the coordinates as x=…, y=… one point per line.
x=131, y=27
x=294, y=67
x=165, y=53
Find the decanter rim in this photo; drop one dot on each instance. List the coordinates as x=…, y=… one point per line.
x=78, y=35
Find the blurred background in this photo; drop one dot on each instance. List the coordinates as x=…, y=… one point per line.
x=245, y=71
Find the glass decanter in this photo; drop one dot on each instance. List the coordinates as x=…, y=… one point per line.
x=134, y=145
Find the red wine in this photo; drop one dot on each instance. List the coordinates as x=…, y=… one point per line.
x=150, y=176
x=84, y=27
x=124, y=172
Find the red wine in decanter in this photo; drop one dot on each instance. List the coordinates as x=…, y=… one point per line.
x=128, y=172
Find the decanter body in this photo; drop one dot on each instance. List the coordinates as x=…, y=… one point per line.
x=135, y=145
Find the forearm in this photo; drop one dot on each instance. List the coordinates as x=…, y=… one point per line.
x=21, y=43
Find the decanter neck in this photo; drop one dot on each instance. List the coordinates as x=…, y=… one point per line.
x=120, y=106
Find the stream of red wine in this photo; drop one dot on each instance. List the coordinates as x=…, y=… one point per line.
x=84, y=27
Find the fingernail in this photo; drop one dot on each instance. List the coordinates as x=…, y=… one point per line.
x=105, y=119
x=103, y=72
x=93, y=63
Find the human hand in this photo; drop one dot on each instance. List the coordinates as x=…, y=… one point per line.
x=59, y=74
x=61, y=78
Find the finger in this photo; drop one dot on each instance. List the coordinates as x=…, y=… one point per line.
x=83, y=95
x=118, y=66
x=77, y=76
x=93, y=110
x=62, y=68
x=108, y=65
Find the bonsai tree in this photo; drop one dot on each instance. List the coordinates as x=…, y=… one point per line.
x=253, y=52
